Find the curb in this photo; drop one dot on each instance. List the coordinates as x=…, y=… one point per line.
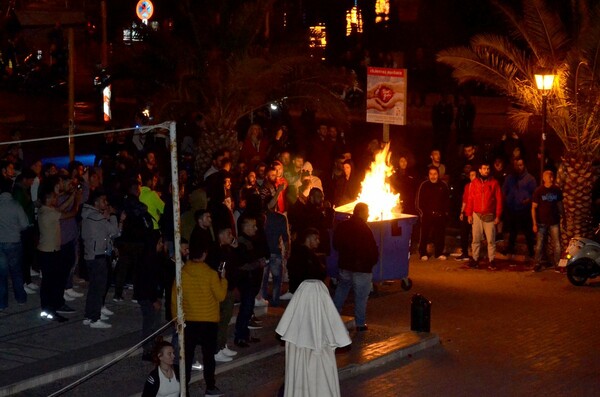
x=66, y=372
x=354, y=369
x=404, y=349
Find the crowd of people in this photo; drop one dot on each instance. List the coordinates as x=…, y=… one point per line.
x=247, y=224
x=244, y=231
x=490, y=199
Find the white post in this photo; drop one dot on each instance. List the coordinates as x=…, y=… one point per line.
x=177, y=242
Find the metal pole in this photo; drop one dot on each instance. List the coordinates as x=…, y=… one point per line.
x=71, y=105
x=543, y=140
x=106, y=92
x=177, y=242
x=104, y=54
x=386, y=132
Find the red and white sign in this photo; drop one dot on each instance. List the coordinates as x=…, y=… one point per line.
x=386, y=96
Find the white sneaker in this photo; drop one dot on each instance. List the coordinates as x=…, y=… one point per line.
x=33, y=286
x=424, y=258
x=106, y=312
x=287, y=296
x=261, y=302
x=28, y=290
x=68, y=298
x=221, y=357
x=87, y=321
x=197, y=366
x=99, y=324
x=228, y=352
x=72, y=293
x=442, y=257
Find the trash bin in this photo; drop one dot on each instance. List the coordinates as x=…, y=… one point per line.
x=420, y=314
x=393, y=240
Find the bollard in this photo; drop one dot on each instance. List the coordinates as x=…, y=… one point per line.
x=420, y=314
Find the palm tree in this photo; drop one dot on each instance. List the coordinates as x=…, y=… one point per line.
x=541, y=38
x=232, y=70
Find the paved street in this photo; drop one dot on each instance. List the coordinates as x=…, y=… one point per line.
x=503, y=334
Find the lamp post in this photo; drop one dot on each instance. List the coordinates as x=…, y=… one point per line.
x=544, y=83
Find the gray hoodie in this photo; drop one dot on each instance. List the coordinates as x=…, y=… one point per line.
x=97, y=232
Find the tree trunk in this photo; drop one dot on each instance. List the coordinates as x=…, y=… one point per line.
x=576, y=179
x=208, y=143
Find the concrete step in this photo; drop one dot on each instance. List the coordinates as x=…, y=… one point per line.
x=369, y=349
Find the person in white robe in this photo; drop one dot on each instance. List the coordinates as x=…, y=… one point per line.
x=312, y=329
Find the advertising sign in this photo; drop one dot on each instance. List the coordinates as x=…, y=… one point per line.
x=386, y=96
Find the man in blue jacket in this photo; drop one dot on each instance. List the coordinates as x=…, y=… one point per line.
x=518, y=190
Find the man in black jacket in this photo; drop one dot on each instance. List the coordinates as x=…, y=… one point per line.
x=135, y=240
x=250, y=272
x=304, y=264
x=358, y=253
x=433, y=204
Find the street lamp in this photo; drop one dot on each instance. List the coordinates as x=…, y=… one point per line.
x=544, y=83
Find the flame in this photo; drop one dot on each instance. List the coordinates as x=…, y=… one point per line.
x=376, y=192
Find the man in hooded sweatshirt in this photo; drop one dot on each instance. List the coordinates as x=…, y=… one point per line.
x=99, y=227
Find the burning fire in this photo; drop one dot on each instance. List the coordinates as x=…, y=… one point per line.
x=376, y=192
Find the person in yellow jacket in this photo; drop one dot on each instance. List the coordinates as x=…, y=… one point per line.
x=203, y=289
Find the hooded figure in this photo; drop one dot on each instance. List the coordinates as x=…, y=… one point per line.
x=312, y=329
x=307, y=180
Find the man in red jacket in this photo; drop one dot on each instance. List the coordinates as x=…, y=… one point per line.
x=484, y=208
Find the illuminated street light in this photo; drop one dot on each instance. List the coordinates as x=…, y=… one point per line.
x=544, y=83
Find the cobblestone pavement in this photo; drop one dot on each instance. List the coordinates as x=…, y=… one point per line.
x=505, y=333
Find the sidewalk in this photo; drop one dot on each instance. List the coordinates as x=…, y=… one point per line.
x=40, y=357
x=35, y=351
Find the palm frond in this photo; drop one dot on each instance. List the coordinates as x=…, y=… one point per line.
x=519, y=119
x=542, y=30
x=506, y=48
x=545, y=32
x=515, y=30
x=589, y=44
x=479, y=65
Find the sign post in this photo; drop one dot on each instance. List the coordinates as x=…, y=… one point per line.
x=386, y=98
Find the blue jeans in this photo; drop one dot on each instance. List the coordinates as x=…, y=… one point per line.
x=543, y=231
x=275, y=268
x=11, y=255
x=361, y=284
